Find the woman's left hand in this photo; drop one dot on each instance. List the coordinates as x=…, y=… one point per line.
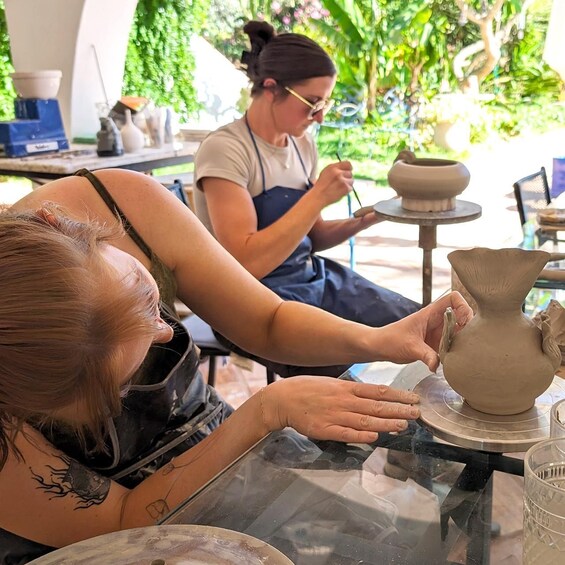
x=417, y=336
x=335, y=409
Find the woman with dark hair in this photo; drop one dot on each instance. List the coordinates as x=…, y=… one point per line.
x=259, y=194
x=105, y=420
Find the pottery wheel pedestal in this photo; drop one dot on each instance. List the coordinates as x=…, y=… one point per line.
x=448, y=417
x=427, y=221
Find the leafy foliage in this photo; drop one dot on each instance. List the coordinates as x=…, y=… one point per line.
x=7, y=92
x=159, y=64
x=394, y=55
x=373, y=147
x=522, y=72
x=223, y=28
x=379, y=45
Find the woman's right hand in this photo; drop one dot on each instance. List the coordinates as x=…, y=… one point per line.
x=334, y=409
x=334, y=182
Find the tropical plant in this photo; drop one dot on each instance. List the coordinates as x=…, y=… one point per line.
x=223, y=28
x=159, y=64
x=521, y=72
x=381, y=44
x=354, y=35
x=497, y=23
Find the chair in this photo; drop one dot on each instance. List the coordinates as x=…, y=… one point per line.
x=206, y=341
x=532, y=194
x=177, y=188
x=201, y=332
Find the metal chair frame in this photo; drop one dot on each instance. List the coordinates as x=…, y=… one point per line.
x=536, y=185
x=522, y=188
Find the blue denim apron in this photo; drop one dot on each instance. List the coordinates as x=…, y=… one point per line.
x=311, y=279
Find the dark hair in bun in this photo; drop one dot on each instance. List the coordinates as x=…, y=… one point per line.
x=289, y=58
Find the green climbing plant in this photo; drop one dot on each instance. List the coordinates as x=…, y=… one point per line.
x=7, y=92
x=159, y=64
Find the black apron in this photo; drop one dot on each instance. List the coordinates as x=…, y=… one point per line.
x=171, y=410
x=159, y=420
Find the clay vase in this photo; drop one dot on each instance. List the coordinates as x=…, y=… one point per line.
x=427, y=185
x=132, y=137
x=500, y=362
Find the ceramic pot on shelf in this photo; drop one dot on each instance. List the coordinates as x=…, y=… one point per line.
x=500, y=362
x=427, y=185
x=133, y=138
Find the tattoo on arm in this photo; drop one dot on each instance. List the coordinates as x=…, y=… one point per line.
x=73, y=480
x=158, y=509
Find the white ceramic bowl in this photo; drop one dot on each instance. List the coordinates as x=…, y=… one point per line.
x=37, y=84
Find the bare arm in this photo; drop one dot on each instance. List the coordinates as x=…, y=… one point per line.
x=214, y=285
x=234, y=220
x=329, y=233
x=69, y=502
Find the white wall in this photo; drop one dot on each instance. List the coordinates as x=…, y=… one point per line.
x=59, y=34
x=218, y=83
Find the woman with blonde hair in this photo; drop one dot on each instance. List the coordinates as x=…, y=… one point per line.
x=105, y=421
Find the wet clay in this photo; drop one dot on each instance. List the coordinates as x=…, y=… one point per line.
x=427, y=185
x=500, y=362
x=556, y=314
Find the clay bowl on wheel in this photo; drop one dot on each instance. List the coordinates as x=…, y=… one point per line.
x=427, y=185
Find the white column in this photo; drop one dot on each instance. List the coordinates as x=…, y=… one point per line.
x=554, y=50
x=59, y=34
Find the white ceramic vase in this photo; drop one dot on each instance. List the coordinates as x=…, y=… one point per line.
x=132, y=137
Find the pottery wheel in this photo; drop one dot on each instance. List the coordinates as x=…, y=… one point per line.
x=449, y=417
x=168, y=545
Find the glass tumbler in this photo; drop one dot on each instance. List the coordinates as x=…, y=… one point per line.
x=557, y=419
x=544, y=503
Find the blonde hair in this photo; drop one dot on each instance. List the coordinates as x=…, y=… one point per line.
x=64, y=313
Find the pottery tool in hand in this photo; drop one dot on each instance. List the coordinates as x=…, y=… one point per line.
x=363, y=210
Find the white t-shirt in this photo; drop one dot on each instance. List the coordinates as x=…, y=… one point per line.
x=228, y=153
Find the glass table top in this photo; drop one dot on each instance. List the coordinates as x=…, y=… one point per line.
x=407, y=498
